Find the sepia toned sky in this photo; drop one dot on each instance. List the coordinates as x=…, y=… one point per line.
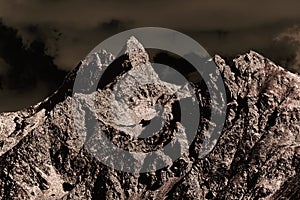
x=40, y=40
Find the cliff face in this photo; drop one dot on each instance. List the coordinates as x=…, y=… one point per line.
x=257, y=155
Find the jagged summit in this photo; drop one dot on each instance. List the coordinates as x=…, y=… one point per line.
x=256, y=157
x=136, y=52
x=250, y=56
x=134, y=45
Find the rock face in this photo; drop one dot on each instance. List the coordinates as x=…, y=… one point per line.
x=257, y=156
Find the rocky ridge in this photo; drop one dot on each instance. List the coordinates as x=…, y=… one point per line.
x=257, y=156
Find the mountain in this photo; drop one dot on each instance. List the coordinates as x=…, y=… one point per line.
x=56, y=149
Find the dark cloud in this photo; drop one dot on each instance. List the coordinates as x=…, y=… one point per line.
x=284, y=53
x=24, y=69
x=27, y=65
x=289, y=42
x=113, y=25
x=84, y=24
x=60, y=33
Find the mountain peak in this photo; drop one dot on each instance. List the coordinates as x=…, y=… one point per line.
x=41, y=156
x=136, y=52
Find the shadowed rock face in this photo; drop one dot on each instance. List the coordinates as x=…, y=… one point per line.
x=256, y=157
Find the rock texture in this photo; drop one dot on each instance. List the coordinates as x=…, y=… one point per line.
x=256, y=157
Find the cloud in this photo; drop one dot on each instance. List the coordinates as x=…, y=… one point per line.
x=50, y=34
x=113, y=25
x=4, y=67
x=190, y=14
x=82, y=25
x=27, y=65
x=23, y=70
x=291, y=39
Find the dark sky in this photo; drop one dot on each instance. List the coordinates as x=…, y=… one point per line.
x=40, y=40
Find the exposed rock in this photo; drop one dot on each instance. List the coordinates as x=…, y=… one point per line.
x=42, y=155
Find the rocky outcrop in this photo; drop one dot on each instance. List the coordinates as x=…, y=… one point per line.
x=44, y=156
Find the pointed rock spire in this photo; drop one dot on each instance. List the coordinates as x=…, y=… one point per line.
x=136, y=52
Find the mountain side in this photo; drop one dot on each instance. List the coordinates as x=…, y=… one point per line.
x=257, y=156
